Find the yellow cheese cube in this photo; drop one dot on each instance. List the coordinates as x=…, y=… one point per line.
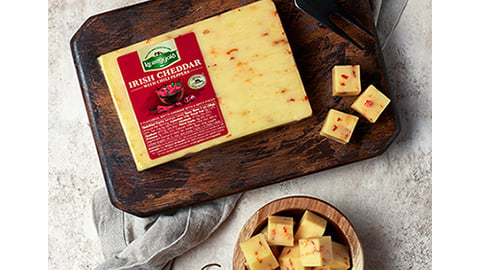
x=341, y=258
x=339, y=126
x=258, y=254
x=251, y=69
x=316, y=252
x=346, y=80
x=310, y=226
x=327, y=267
x=289, y=259
x=371, y=103
x=280, y=231
x=275, y=249
x=257, y=265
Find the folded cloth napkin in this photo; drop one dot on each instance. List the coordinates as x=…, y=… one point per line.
x=130, y=242
x=387, y=14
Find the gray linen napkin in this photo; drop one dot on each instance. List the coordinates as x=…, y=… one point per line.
x=134, y=243
x=387, y=14
x=131, y=242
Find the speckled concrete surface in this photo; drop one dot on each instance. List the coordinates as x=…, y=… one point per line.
x=387, y=198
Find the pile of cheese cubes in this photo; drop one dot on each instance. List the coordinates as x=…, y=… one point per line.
x=370, y=104
x=278, y=246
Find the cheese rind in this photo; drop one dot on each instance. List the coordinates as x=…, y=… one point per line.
x=371, y=103
x=252, y=70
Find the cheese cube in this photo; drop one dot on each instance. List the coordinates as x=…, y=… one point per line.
x=327, y=267
x=346, y=80
x=258, y=254
x=257, y=265
x=339, y=126
x=316, y=252
x=275, y=249
x=341, y=258
x=371, y=103
x=310, y=226
x=289, y=259
x=251, y=69
x=280, y=231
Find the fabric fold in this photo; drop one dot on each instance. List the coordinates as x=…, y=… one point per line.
x=131, y=242
x=389, y=14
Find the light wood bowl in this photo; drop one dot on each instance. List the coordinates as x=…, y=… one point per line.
x=338, y=226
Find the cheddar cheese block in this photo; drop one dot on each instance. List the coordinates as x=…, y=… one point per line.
x=204, y=84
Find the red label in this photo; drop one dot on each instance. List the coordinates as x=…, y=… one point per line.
x=172, y=95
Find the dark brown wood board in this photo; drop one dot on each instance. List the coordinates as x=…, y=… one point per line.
x=260, y=159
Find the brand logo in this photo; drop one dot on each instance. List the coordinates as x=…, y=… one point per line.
x=161, y=56
x=197, y=81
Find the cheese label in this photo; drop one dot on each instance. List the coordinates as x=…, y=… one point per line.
x=172, y=96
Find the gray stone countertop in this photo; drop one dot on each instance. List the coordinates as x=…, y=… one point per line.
x=387, y=198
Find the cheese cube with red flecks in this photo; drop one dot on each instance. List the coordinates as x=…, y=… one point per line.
x=339, y=126
x=289, y=259
x=346, y=80
x=280, y=231
x=371, y=103
x=310, y=226
x=316, y=252
x=341, y=258
x=258, y=254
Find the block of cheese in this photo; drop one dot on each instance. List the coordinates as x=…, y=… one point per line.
x=310, y=226
x=371, y=103
x=346, y=80
x=316, y=252
x=289, y=259
x=341, y=258
x=258, y=254
x=339, y=126
x=226, y=77
x=280, y=231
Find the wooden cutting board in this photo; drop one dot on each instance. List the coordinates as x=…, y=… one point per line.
x=268, y=157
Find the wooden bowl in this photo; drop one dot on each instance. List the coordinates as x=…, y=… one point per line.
x=338, y=226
